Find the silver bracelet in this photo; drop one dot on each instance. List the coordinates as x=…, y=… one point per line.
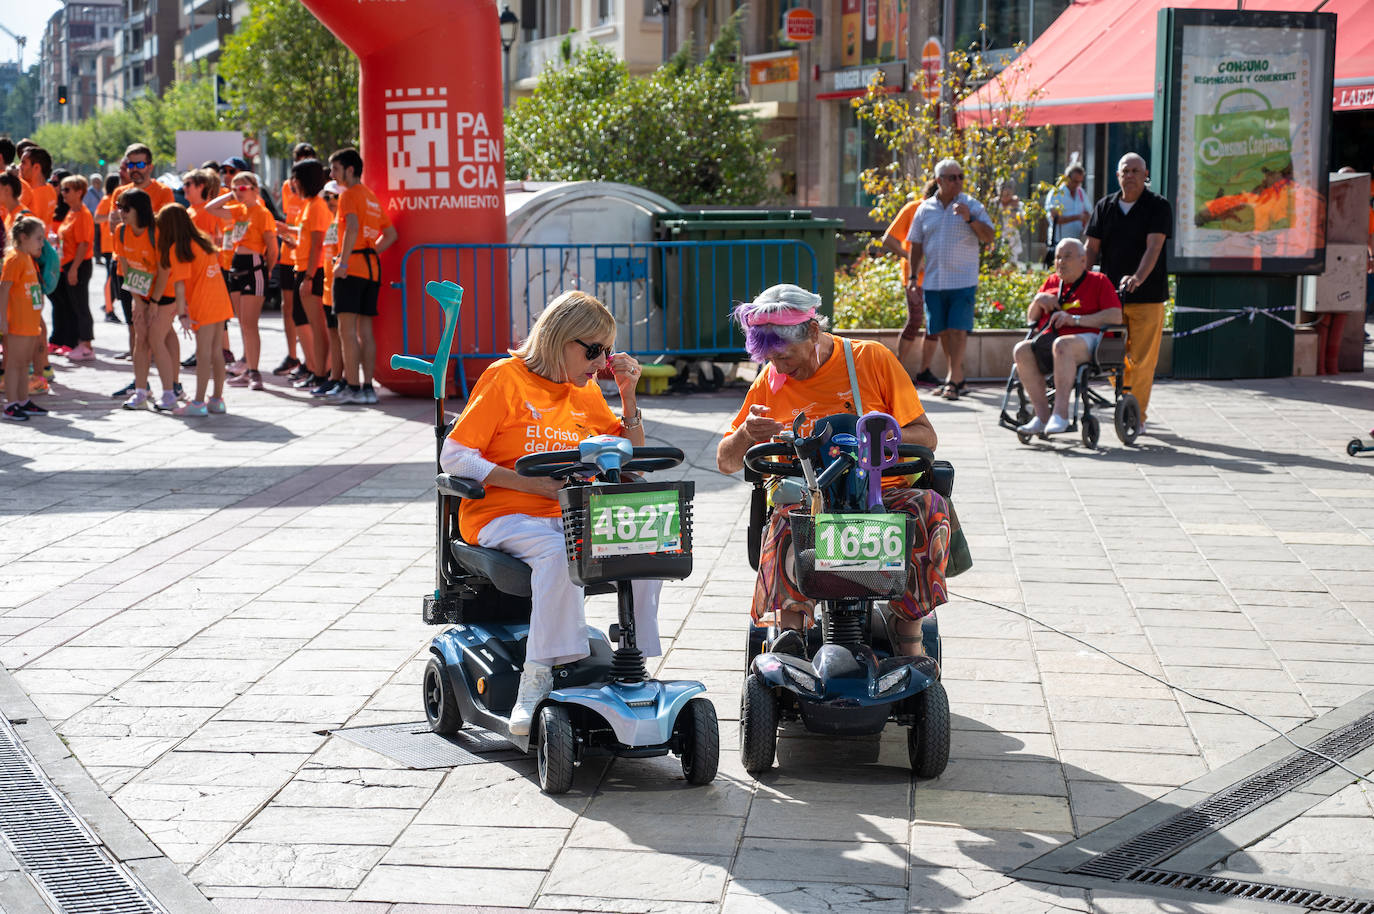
x=636, y=422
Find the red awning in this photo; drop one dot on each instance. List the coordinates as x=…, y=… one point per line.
x=1095, y=64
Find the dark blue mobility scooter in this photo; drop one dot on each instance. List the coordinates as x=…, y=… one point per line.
x=851, y=556
x=617, y=531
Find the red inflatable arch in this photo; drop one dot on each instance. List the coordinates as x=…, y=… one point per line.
x=432, y=135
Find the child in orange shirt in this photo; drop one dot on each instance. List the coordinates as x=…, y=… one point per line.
x=21, y=296
x=202, y=301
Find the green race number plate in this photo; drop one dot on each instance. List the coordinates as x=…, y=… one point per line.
x=860, y=542
x=635, y=523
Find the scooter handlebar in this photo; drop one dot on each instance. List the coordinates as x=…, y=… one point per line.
x=562, y=464
x=759, y=459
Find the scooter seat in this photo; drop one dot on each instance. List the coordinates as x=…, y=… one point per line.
x=507, y=573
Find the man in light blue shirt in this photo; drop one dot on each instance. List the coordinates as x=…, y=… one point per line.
x=948, y=232
x=1068, y=207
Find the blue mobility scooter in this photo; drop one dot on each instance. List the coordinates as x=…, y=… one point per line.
x=617, y=531
x=851, y=556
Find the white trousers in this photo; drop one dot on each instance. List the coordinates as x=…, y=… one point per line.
x=558, y=621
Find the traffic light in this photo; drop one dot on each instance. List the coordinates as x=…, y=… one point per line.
x=62, y=95
x=101, y=161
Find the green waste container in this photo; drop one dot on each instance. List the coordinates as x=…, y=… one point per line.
x=1242, y=348
x=697, y=286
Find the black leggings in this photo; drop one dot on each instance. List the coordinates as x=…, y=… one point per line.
x=71, y=307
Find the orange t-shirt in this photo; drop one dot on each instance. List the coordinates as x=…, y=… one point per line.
x=106, y=233
x=141, y=257
x=41, y=200
x=372, y=222
x=513, y=412
x=158, y=193
x=207, y=298
x=247, y=233
x=76, y=228
x=314, y=216
x=24, y=307
x=884, y=386
x=212, y=226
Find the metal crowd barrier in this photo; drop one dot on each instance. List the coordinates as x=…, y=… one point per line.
x=669, y=298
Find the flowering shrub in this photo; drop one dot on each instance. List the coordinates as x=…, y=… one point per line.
x=869, y=294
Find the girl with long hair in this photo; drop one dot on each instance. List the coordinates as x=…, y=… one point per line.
x=202, y=301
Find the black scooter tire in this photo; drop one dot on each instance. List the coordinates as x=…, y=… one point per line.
x=701, y=741
x=758, y=725
x=927, y=742
x=554, y=750
x=1353, y=447
x=441, y=707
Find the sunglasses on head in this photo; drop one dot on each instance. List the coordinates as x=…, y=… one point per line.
x=594, y=350
x=137, y=166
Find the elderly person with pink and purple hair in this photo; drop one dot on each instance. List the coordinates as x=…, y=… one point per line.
x=807, y=370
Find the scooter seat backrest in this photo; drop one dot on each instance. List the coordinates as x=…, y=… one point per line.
x=506, y=573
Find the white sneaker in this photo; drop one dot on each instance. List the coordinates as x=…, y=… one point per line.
x=536, y=682
x=137, y=400
x=1056, y=425
x=1033, y=427
x=167, y=403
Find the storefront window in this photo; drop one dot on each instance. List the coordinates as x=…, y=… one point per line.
x=858, y=150
x=1007, y=24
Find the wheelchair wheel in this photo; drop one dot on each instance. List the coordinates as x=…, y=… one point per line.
x=1353, y=447
x=758, y=725
x=1127, y=419
x=1090, y=430
x=1023, y=415
x=700, y=741
x=555, y=749
x=927, y=742
x=441, y=708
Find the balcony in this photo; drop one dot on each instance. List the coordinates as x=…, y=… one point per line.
x=200, y=42
x=531, y=57
x=191, y=7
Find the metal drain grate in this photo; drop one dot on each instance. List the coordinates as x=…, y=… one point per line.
x=60, y=854
x=414, y=746
x=1205, y=817
x=1311, y=899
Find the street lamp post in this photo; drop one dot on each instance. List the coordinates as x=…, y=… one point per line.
x=510, y=24
x=665, y=7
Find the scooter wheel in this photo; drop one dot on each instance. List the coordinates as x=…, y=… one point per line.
x=1353, y=447
x=758, y=725
x=555, y=749
x=441, y=709
x=700, y=741
x=1090, y=431
x=1127, y=419
x=927, y=742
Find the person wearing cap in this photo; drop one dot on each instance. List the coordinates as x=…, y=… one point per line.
x=806, y=369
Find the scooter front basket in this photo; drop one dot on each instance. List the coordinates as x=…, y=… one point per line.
x=847, y=583
x=628, y=531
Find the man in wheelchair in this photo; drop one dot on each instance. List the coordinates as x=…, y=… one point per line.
x=1068, y=314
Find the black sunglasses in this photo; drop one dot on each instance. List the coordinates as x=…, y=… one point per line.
x=594, y=350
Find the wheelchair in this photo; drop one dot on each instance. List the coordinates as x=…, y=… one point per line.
x=1108, y=361
x=846, y=676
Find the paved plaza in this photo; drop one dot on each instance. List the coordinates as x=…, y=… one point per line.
x=188, y=608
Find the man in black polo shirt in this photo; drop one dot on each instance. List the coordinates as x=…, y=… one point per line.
x=1129, y=229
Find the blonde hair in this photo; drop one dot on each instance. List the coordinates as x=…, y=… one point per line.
x=571, y=316
x=244, y=177
x=75, y=181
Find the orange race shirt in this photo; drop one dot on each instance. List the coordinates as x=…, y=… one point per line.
x=139, y=259
x=513, y=412
x=207, y=298
x=314, y=216
x=884, y=386
x=899, y=229
x=246, y=234
x=24, y=305
x=212, y=226
x=360, y=202
x=158, y=193
x=106, y=233
x=41, y=200
x=76, y=228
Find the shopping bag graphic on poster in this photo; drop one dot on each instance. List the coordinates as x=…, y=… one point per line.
x=1244, y=165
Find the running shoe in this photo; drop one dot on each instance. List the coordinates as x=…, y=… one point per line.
x=37, y=384
x=179, y=391
x=55, y=349
x=15, y=413
x=82, y=353
x=110, y=318
x=48, y=373
x=125, y=356
x=228, y=354
x=125, y=390
x=189, y=361
x=194, y=408
x=298, y=372
x=167, y=403
x=322, y=388
x=308, y=381
x=338, y=391
x=928, y=379
x=216, y=406
x=287, y=364
x=354, y=398
x=370, y=395
x=137, y=400
x=254, y=379
x=33, y=409
x=238, y=366
x=238, y=380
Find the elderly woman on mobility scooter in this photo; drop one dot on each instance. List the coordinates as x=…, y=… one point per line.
x=807, y=371
x=1071, y=308
x=544, y=398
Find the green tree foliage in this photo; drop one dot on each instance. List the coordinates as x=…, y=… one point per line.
x=18, y=106
x=870, y=294
x=674, y=132
x=188, y=104
x=292, y=78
